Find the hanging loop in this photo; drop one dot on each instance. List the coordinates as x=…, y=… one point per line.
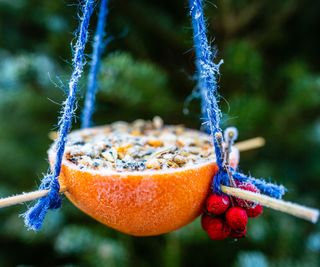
x=35, y=215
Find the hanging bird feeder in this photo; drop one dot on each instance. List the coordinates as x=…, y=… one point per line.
x=146, y=178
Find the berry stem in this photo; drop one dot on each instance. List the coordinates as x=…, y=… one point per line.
x=297, y=210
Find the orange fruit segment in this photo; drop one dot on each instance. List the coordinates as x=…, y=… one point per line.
x=140, y=203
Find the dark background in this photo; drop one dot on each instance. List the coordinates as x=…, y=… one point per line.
x=270, y=86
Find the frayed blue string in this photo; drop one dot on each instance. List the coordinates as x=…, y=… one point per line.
x=206, y=68
x=269, y=189
x=207, y=83
x=98, y=47
x=272, y=190
x=207, y=72
x=220, y=178
x=34, y=217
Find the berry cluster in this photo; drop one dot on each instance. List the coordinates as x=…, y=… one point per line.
x=228, y=217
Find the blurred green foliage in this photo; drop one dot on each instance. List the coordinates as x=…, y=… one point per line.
x=270, y=86
x=121, y=80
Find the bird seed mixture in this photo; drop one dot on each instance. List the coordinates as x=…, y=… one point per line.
x=138, y=146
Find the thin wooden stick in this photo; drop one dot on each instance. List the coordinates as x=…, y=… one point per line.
x=250, y=144
x=300, y=211
x=25, y=197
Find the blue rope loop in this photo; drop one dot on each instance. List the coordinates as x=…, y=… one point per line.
x=207, y=69
x=207, y=83
x=49, y=182
x=207, y=72
x=98, y=48
x=34, y=217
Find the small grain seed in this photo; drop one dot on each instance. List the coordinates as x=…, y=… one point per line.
x=179, y=159
x=194, y=150
x=107, y=156
x=78, y=143
x=157, y=122
x=122, y=150
x=138, y=124
x=73, y=160
x=206, y=146
x=153, y=164
x=147, y=152
x=119, y=125
x=169, y=138
x=155, y=142
x=173, y=149
x=172, y=164
x=162, y=161
x=184, y=153
x=110, y=155
x=180, y=143
x=136, y=132
x=206, y=153
x=96, y=164
x=107, y=130
x=168, y=156
x=179, y=129
x=85, y=161
x=159, y=153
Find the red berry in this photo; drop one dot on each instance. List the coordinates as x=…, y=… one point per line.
x=247, y=187
x=238, y=234
x=218, y=229
x=205, y=221
x=217, y=204
x=237, y=218
x=255, y=211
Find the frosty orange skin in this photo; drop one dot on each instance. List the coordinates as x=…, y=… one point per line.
x=140, y=204
x=145, y=203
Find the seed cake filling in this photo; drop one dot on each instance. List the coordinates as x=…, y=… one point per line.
x=138, y=146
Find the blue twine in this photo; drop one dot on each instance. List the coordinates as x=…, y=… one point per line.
x=207, y=70
x=207, y=83
x=35, y=215
x=272, y=190
x=98, y=47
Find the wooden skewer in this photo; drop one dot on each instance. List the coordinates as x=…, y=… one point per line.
x=300, y=211
x=250, y=144
x=303, y=212
x=25, y=197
